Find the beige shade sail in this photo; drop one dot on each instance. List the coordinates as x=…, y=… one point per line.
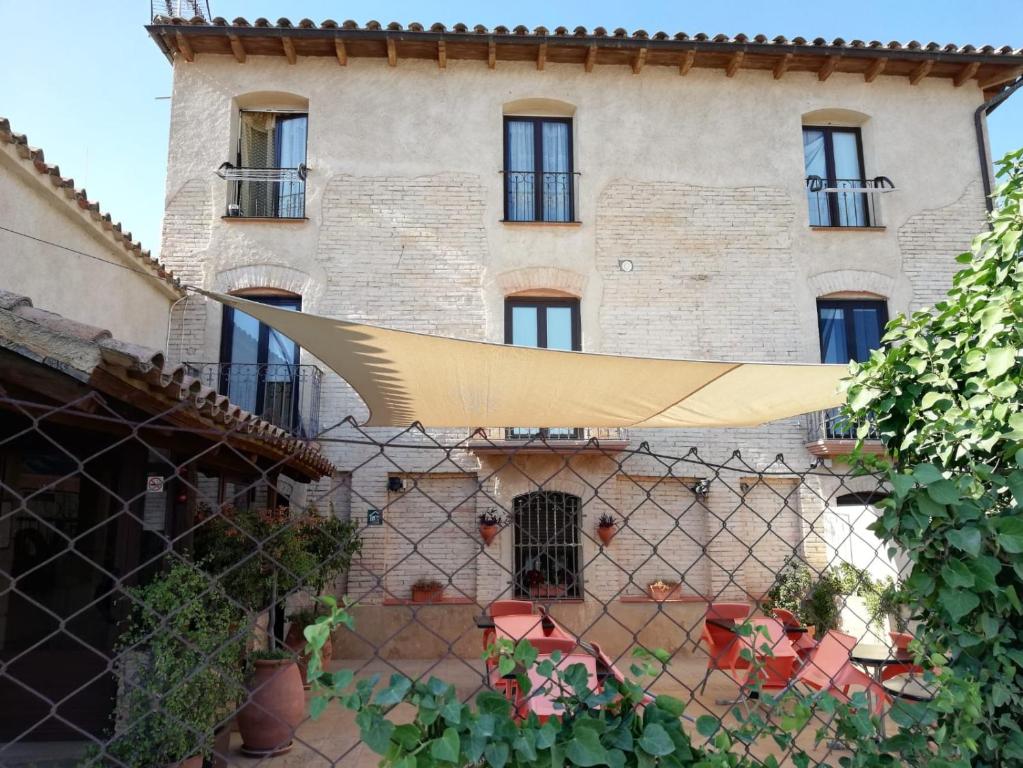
x=408, y=377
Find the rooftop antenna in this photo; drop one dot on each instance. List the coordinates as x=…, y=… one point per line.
x=183, y=9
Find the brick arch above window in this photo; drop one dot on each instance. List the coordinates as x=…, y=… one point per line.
x=539, y=281
x=851, y=281
x=254, y=277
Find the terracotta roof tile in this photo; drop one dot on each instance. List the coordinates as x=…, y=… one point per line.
x=82, y=350
x=80, y=199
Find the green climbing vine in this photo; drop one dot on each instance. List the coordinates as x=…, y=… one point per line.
x=946, y=394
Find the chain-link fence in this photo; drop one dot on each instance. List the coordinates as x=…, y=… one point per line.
x=155, y=581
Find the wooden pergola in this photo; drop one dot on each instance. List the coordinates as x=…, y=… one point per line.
x=987, y=68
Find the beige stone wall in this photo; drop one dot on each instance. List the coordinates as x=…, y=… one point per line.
x=697, y=180
x=133, y=307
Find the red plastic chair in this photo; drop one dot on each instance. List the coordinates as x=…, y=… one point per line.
x=829, y=669
x=723, y=649
x=510, y=607
x=726, y=611
x=797, y=634
x=548, y=645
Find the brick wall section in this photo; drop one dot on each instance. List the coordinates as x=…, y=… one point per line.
x=931, y=240
x=187, y=226
x=711, y=267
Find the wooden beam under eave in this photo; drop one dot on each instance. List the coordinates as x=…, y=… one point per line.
x=591, y=58
x=638, y=61
x=827, y=68
x=237, y=48
x=1003, y=77
x=492, y=54
x=921, y=71
x=289, y=49
x=734, y=63
x=184, y=46
x=392, y=52
x=876, y=68
x=442, y=54
x=966, y=73
x=782, y=66
x=687, y=62
x=541, y=56
x=341, y=51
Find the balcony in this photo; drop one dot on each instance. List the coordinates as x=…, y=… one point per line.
x=503, y=440
x=288, y=396
x=830, y=433
x=549, y=199
x=264, y=193
x=846, y=203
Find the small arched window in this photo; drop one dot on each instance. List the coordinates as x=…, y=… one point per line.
x=548, y=552
x=539, y=172
x=267, y=176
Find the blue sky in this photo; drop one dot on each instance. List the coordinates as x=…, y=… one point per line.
x=84, y=80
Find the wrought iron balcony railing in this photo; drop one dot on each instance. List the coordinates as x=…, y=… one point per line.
x=265, y=193
x=523, y=439
x=846, y=202
x=287, y=396
x=831, y=432
x=547, y=196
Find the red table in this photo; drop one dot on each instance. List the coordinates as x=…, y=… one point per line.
x=523, y=626
x=773, y=652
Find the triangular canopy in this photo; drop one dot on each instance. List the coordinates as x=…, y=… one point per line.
x=408, y=377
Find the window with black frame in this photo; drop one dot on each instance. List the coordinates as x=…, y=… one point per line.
x=545, y=323
x=259, y=368
x=538, y=171
x=269, y=178
x=833, y=158
x=850, y=329
x=548, y=550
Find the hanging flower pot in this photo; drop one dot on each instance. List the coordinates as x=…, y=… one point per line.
x=606, y=528
x=490, y=525
x=662, y=590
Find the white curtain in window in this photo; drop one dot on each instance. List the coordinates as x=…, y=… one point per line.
x=815, y=161
x=257, y=151
x=556, y=177
x=519, y=175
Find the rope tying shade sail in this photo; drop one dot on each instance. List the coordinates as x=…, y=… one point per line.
x=408, y=377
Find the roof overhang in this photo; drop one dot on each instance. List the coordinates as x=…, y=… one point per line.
x=987, y=67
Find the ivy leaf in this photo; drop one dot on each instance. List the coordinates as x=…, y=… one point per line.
x=656, y=740
x=1009, y=534
x=927, y=473
x=958, y=602
x=999, y=360
x=395, y=692
x=496, y=754
x=446, y=748
x=943, y=492
x=707, y=725
x=965, y=539
x=957, y=574
x=670, y=704
x=585, y=748
x=375, y=731
x=317, y=706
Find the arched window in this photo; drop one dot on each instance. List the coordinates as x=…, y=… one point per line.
x=259, y=366
x=539, y=172
x=267, y=175
x=548, y=552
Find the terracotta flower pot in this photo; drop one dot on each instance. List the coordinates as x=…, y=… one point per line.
x=488, y=533
x=274, y=710
x=661, y=593
x=606, y=533
x=295, y=641
x=427, y=595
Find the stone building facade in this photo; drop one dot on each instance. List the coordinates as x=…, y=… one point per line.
x=691, y=236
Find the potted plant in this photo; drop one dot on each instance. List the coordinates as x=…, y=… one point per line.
x=606, y=528
x=295, y=640
x=490, y=524
x=427, y=591
x=661, y=590
x=180, y=663
x=275, y=706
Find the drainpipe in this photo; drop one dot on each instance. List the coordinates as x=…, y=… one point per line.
x=979, y=125
x=170, y=321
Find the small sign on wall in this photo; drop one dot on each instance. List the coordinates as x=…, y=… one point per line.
x=154, y=484
x=374, y=517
